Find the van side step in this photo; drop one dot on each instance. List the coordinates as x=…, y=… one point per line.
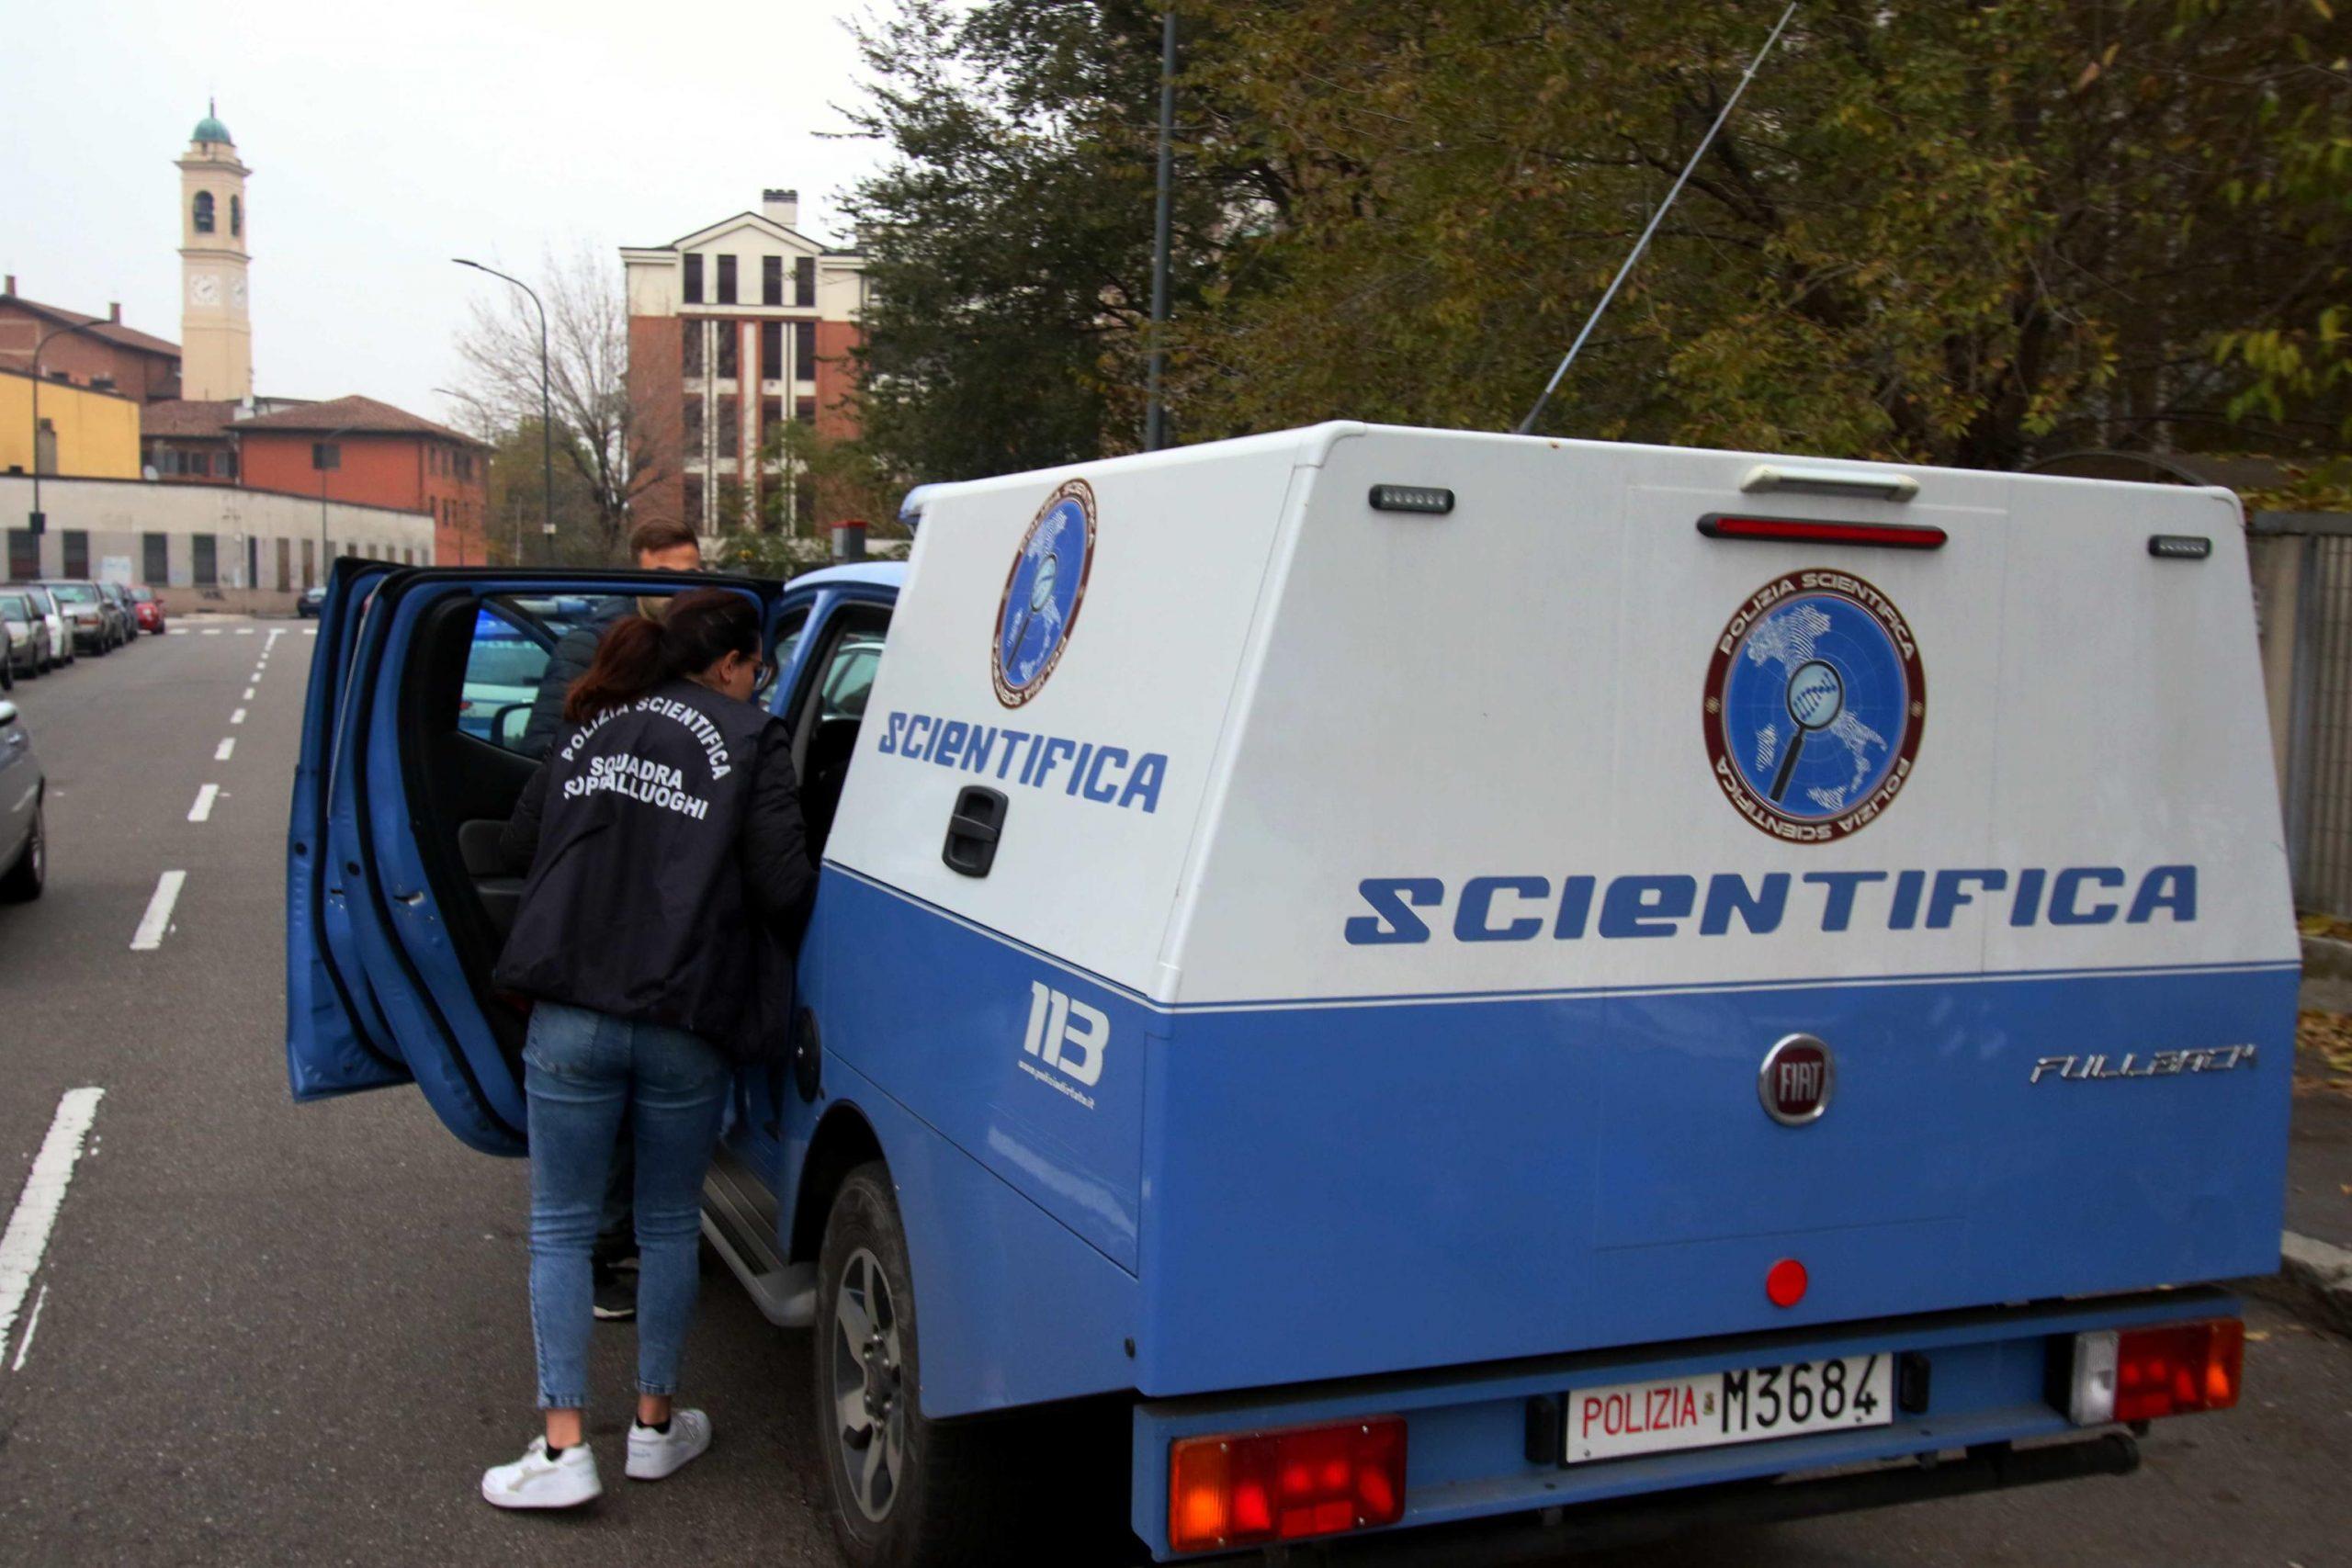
x=739, y=1218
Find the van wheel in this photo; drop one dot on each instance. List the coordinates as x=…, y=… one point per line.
x=22, y=882
x=908, y=1492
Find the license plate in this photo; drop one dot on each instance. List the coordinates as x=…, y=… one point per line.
x=1745, y=1406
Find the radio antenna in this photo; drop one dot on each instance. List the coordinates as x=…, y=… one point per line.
x=1527, y=426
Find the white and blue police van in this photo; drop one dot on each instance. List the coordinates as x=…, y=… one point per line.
x=1423, y=986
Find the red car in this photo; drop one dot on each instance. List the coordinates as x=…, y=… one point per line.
x=148, y=605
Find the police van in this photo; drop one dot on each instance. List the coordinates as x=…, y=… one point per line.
x=1408, y=984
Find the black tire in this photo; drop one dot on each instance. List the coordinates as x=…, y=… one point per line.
x=22, y=882
x=957, y=1497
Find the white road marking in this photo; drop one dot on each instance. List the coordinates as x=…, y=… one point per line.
x=244, y=631
x=202, y=810
x=27, y=1234
x=275, y=633
x=158, y=918
x=25, y=1346
x=249, y=693
x=224, y=752
x=210, y=631
x=309, y=631
x=238, y=717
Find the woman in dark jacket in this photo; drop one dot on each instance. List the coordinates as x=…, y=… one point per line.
x=668, y=874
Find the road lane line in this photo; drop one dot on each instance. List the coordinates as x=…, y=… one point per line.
x=238, y=717
x=27, y=1234
x=202, y=810
x=25, y=1346
x=249, y=693
x=309, y=631
x=244, y=631
x=158, y=918
x=210, y=631
x=222, y=752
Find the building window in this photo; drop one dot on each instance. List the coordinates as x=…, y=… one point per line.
x=728, y=338
x=730, y=505
x=236, y=215
x=24, y=556
x=229, y=464
x=694, y=498
x=694, y=422
x=200, y=464
x=77, y=552
x=692, y=347
x=729, y=427
x=694, y=280
x=204, y=212
x=285, y=566
x=207, y=559
x=804, y=351
x=804, y=282
x=771, y=280
x=466, y=466
x=154, y=558
x=771, y=419
x=805, y=410
x=310, y=563
x=726, y=280
x=772, y=351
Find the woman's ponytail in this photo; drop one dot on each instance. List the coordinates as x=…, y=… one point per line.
x=638, y=653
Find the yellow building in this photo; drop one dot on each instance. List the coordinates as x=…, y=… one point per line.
x=87, y=433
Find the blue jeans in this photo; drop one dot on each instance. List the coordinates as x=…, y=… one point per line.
x=582, y=1071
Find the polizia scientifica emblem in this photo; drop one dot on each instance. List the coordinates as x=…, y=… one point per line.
x=1043, y=594
x=1814, y=703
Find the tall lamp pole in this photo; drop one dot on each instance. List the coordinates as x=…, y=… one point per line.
x=326, y=556
x=1154, y=418
x=39, y=520
x=546, y=400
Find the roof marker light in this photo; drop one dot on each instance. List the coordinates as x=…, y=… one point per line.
x=1807, y=531
x=1412, y=498
x=2179, y=546
x=1766, y=477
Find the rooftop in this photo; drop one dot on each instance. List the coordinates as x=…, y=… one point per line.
x=358, y=415
x=100, y=327
x=188, y=416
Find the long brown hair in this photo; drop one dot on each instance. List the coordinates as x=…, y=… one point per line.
x=638, y=653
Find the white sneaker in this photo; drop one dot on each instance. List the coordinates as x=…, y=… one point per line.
x=535, y=1481
x=653, y=1455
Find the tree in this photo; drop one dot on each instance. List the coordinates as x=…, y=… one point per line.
x=607, y=452
x=1008, y=239
x=837, y=481
x=1958, y=235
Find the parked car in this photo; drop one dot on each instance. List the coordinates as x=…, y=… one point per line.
x=27, y=631
x=87, y=614
x=307, y=606
x=118, y=598
x=52, y=615
x=24, y=845
x=147, y=607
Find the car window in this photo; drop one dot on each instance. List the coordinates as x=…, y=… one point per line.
x=75, y=592
x=849, y=679
x=504, y=668
x=143, y=595
x=16, y=607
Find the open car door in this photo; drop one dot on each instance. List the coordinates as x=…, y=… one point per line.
x=416, y=745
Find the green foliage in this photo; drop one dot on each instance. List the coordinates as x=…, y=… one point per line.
x=1973, y=234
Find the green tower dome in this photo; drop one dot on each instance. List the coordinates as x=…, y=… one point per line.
x=209, y=128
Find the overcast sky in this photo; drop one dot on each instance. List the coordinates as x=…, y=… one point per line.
x=385, y=140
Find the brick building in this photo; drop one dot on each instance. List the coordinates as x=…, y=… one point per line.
x=732, y=330
x=377, y=456
x=108, y=357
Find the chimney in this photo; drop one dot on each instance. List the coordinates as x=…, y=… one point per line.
x=12, y=285
x=114, y=310
x=783, y=206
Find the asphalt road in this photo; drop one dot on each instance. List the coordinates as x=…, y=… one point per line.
x=277, y=1334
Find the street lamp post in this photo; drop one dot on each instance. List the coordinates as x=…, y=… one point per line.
x=39, y=520
x=546, y=399
x=318, y=457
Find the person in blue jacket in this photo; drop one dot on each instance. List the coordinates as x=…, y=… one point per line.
x=668, y=876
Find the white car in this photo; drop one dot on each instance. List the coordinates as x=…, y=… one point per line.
x=61, y=632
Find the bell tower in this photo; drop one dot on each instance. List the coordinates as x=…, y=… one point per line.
x=216, y=337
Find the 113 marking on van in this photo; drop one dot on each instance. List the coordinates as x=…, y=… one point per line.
x=1066, y=1035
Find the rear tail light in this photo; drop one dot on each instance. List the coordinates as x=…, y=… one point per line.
x=2138, y=1374
x=1798, y=530
x=1253, y=1488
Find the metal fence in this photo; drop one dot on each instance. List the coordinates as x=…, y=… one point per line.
x=2304, y=595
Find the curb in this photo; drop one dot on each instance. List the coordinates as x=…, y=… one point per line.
x=2322, y=1273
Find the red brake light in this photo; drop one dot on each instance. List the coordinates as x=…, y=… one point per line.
x=1248, y=1489
x=2179, y=1369
x=1883, y=535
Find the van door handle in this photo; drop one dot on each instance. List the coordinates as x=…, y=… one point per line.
x=973, y=830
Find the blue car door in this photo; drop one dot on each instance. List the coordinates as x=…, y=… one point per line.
x=412, y=789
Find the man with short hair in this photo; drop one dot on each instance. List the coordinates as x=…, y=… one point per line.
x=656, y=544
